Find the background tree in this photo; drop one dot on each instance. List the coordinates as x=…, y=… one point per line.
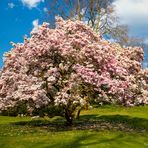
x=98, y=14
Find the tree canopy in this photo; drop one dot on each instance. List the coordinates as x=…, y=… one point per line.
x=68, y=67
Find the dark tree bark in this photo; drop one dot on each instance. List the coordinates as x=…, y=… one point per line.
x=69, y=117
x=78, y=114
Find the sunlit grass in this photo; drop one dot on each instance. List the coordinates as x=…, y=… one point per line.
x=106, y=126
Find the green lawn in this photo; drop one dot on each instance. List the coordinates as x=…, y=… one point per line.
x=102, y=127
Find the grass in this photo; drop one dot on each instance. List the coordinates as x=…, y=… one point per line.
x=102, y=127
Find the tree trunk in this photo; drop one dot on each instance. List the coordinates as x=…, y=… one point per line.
x=78, y=114
x=69, y=117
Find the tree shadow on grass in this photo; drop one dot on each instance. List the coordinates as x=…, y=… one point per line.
x=89, y=139
x=119, y=121
x=86, y=141
x=75, y=143
x=95, y=122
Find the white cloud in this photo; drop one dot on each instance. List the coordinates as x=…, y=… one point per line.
x=35, y=23
x=134, y=13
x=31, y=3
x=132, y=10
x=11, y=5
x=45, y=9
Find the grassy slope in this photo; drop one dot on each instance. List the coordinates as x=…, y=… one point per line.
x=103, y=127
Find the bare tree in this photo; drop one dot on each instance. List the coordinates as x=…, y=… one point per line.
x=98, y=14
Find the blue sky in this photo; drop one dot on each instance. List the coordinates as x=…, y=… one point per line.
x=19, y=17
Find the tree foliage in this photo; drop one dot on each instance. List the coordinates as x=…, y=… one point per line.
x=68, y=66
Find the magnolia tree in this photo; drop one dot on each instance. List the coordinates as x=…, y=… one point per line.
x=67, y=67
